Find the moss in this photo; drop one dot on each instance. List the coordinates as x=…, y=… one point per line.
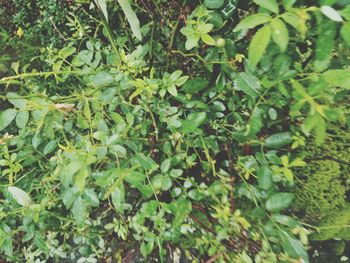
x=325, y=182
x=320, y=191
x=334, y=225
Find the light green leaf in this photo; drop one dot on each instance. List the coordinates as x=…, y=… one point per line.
x=325, y=45
x=271, y=5
x=79, y=211
x=103, y=6
x=280, y=34
x=6, y=118
x=80, y=179
x=293, y=247
x=265, y=178
x=207, y=39
x=16, y=100
x=288, y=3
x=50, y=147
x=131, y=17
x=20, y=196
x=338, y=78
x=331, y=13
x=22, y=119
x=258, y=45
x=193, y=121
x=279, y=201
x=66, y=52
x=345, y=33
x=252, y=21
x=249, y=84
x=320, y=131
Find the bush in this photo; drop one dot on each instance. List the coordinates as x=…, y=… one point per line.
x=166, y=130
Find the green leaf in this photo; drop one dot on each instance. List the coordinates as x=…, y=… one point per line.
x=293, y=247
x=249, y=84
x=207, y=39
x=271, y=5
x=258, y=45
x=80, y=178
x=103, y=6
x=288, y=3
x=79, y=211
x=255, y=122
x=22, y=119
x=195, y=85
x=338, y=78
x=279, y=139
x=131, y=17
x=324, y=45
x=265, y=178
x=320, y=131
x=252, y=21
x=279, y=201
x=331, y=13
x=50, y=147
x=66, y=52
x=164, y=167
x=192, y=41
x=280, y=34
x=20, y=196
x=345, y=33
x=214, y=4
x=118, y=150
x=6, y=118
x=193, y=121
x=102, y=78
x=16, y=100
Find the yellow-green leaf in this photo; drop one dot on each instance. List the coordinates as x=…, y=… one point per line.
x=258, y=45
x=280, y=34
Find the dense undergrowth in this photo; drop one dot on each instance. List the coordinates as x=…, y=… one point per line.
x=174, y=131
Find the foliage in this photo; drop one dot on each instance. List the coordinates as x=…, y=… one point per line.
x=119, y=144
x=332, y=226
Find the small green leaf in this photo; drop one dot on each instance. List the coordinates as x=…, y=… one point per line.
x=6, y=118
x=258, y=45
x=20, y=196
x=279, y=201
x=252, y=21
x=249, y=84
x=280, y=34
x=207, y=39
x=271, y=5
